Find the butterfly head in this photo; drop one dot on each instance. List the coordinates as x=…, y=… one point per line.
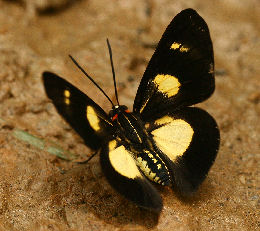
x=118, y=110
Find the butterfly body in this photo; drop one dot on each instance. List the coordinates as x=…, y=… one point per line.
x=164, y=140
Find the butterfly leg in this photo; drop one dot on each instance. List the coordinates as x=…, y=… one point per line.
x=87, y=160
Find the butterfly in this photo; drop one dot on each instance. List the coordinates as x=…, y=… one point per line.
x=164, y=140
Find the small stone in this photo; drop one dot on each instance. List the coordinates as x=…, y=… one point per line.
x=242, y=179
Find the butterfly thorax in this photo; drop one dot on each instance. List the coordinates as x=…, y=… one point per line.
x=130, y=130
x=127, y=126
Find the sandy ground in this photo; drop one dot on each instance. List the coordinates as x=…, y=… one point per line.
x=39, y=191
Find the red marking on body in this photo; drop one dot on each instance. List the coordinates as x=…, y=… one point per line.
x=127, y=111
x=114, y=117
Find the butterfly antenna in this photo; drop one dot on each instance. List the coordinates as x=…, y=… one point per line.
x=113, y=70
x=91, y=79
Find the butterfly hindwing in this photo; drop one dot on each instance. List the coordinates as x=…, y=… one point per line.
x=121, y=171
x=83, y=114
x=181, y=70
x=188, y=141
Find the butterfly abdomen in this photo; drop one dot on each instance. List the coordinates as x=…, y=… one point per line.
x=153, y=167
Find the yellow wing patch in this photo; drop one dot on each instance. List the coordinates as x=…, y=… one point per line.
x=123, y=161
x=67, y=93
x=175, y=46
x=67, y=97
x=167, y=84
x=174, y=137
x=93, y=118
x=182, y=48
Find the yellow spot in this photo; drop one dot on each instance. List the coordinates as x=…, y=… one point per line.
x=67, y=101
x=159, y=166
x=67, y=93
x=123, y=162
x=152, y=175
x=156, y=179
x=112, y=145
x=145, y=169
x=143, y=164
x=93, y=118
x=154, y=160
x=167, y=84
x=150, y=155
x=174, y=137
x=67, y=96
x=139, y=159
x=184, y=49
x=175, y=46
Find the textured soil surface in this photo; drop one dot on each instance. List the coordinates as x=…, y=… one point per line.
x=39, y=191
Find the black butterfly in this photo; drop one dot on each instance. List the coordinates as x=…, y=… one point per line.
x=163, y=140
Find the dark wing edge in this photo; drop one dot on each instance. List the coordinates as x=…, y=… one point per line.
x=120, y=169
x=184, y=56
x=82, y=113
x=198, y=145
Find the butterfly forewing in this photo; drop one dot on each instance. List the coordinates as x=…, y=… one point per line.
x=83, y=114
x=181, y=70
x=188, y=141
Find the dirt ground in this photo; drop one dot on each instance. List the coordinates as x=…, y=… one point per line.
x=39, y=191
